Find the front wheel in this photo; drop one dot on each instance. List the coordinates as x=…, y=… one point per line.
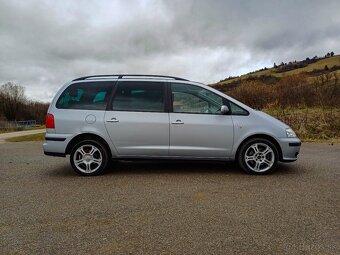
x=89, y=158
x=258, y=156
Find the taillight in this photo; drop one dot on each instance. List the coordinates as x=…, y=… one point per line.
x=49, y=121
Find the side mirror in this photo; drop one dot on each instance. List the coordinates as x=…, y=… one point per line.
x=224, y=109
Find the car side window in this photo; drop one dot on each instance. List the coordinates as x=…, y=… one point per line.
x=139, y=96
x=85, y=96
x=194, y=99
x=237, y=110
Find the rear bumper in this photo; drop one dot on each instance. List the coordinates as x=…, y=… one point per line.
x=55, y=144
x=54, y=154
x=290, y=148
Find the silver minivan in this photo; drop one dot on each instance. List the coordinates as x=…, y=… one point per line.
x=98, y=118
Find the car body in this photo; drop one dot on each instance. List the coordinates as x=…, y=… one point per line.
x=161, y=117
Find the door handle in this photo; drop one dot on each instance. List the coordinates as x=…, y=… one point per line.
x=112, y=120
x=177, y=122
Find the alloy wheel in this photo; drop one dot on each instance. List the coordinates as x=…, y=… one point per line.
x=259, y=157
x=87, y=158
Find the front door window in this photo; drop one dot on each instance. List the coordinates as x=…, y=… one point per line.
x=193, y=99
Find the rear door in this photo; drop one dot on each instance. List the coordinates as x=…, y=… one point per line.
x=137, y=120
x=197, y=128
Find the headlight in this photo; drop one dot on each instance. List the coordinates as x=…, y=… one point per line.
x=290, y=132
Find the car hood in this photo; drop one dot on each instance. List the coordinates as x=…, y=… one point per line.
x=269, y=119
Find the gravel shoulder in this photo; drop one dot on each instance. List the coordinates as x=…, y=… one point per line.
x=167, y=207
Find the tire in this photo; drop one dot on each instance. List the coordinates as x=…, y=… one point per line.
x=89, y=158
x=258, y=156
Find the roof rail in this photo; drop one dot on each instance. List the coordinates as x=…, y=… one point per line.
x=94, y=76
x=120, y=76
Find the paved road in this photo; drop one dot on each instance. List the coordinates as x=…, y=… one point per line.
x=5, y=136
x=168, y=207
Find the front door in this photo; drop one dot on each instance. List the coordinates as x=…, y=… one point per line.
x=197, y=128
x=137, y=122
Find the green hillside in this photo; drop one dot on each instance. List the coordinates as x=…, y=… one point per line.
x=310, y=67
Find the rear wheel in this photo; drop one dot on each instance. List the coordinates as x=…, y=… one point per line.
x=258, y=156
x=89, y=158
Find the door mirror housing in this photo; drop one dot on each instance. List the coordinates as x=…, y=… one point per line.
x=224, y=109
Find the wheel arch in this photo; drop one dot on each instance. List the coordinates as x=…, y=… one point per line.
x=263, y=136
x=87, y=136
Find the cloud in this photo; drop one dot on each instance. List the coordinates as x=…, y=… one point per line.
x=47, y=43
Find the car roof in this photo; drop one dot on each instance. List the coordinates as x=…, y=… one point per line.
x=127, y=76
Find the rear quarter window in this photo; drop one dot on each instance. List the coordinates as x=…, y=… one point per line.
x=85, y=96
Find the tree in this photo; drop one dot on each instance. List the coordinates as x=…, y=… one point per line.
x=1, y=106
x=12, y=96
x=332, y=54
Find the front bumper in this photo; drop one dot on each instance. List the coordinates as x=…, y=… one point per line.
x=290, y=148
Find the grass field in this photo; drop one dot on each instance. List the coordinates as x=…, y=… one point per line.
x=312, y=124
x=27, y=138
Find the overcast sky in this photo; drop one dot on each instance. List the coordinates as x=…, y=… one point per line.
x=47, y=43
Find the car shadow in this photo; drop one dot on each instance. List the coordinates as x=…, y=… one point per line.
x=148, y=167
x=64, y=170
x=170, y=167
x=184, y=167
